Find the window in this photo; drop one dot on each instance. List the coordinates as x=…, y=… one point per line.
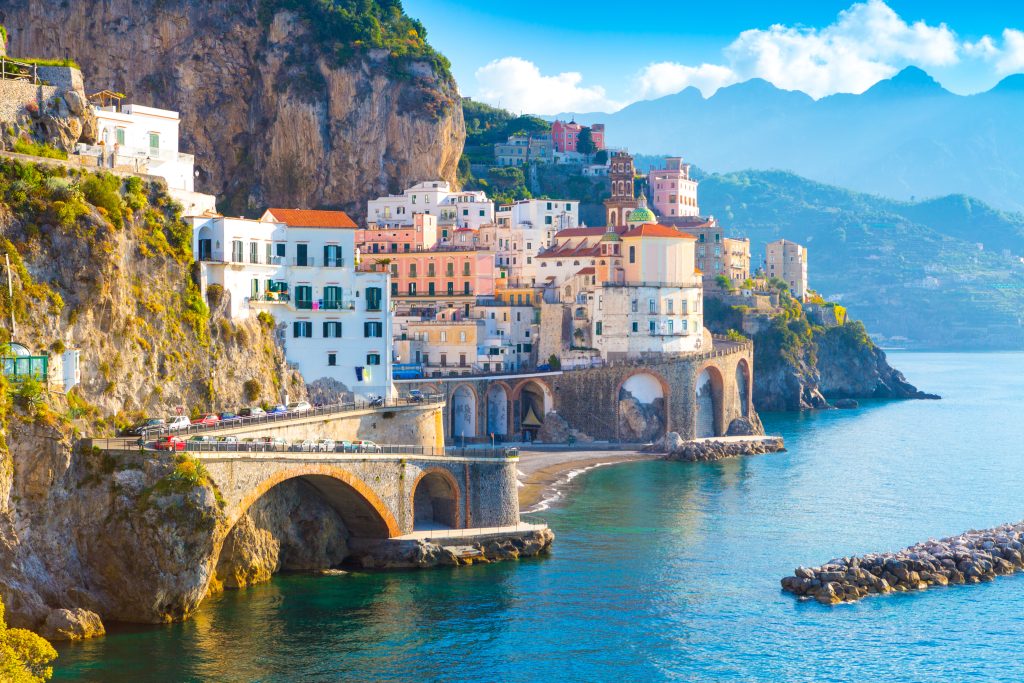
x=465, y=288
x=634, y=306
x=301, y=255
x=332, y=329
x=444, y=335
x=280, y=249
x=430, y=288
x=636, y=327
x=270, y=253
x=412, y=288
x=465, y=267
x=303, y=296
x=332, y=297
x=549, y=206
x=670, y=302
x=332, y=256
x=394, y=270
x=444, y=360
x=598, y=328
x=119, y=136
x=481, y=213
x=462, y=360
x=412, y=270
x=302, y=328
x=236, y=251
x=332, y=359
x=394, y=289
x=254, y=252
x=451, y=288
x=651, y=306
x=652, y=326
x=154, y=141
x=632, y=254
x=465, y=212
x=450, y=270
x=670, y=326
x=547, y=220
x=373, y=298
x=430, y=270
x=373, y=329
x=373, y=359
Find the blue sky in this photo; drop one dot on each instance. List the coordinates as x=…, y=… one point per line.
x=542, y=57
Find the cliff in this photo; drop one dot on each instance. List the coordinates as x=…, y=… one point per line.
x=102, y=264
x=800, y=365
x=283, y=102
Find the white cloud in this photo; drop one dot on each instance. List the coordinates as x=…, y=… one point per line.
x=518, y=85
x=1008, y=59
x=665, y=78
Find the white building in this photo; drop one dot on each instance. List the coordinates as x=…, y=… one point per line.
x=145, y=140
x=523, y=230
x=435, y=197
x=788, y=261
x=300, y=266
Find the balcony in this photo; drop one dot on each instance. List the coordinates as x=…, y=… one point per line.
x=334, y=263
x=272, y=298
x=308, y=262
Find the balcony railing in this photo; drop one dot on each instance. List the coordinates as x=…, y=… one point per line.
x=308, y=262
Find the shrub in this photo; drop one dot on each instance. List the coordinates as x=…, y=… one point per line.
x=252, y=390
x=554, y=362
x=38, y=149
x=266, y=319
x=104, y=190
x=24, y=656
x=733, y=335
x=214, y=295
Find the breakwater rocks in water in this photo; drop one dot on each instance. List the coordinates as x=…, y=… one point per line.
x=398, y=553
x=972, y=557
x=709, y=450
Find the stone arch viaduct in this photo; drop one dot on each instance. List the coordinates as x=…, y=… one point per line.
x=700, y=395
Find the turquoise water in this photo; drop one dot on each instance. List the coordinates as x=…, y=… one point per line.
x=670, y=571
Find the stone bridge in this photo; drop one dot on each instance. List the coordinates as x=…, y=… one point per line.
x=378, y=496
x=697, y=395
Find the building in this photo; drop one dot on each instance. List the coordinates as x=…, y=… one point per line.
x=144, y=140
x=673, y=192
x=565, y=136
x=523, y=230
x=520, y=150
x=788, y=261
x=435, y=198
x=622, y=199
x=387, y=238
x=437, y=279
x=300, y=266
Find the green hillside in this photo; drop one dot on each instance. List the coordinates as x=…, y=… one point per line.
x=942, y=273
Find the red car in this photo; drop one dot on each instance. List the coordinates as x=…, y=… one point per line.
x=170, y=443
x=210, y=419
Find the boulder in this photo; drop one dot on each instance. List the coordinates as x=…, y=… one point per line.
x=742, y=426
x=72, y=624
x=75, y=102
x=846, y=403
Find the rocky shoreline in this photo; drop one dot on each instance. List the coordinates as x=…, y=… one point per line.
x=972, y=557
x=454, y=551
x=673, y=447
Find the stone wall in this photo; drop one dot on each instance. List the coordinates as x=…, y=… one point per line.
x=14, y=95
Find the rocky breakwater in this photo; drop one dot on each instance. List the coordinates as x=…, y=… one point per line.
x=972, y=557
x=423, y=553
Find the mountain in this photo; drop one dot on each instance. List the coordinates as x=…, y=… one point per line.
x=905, y=137
x=284, y=102
x=945, y=273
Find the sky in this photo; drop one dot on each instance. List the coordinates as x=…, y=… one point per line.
x=530, y=56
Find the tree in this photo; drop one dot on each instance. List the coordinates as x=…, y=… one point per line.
x=601, y=157
x=585, y=142
x=24, y=656
x=724, y=282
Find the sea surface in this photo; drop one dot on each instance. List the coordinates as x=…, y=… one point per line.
x=670, y=571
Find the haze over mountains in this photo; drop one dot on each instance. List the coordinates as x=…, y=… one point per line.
x=904, y=137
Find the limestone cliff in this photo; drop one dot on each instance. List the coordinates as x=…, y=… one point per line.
x=277, y=109
x=102, y=265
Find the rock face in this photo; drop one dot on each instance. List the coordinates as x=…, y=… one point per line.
x=972, y=557
x=422, y=554
x=72, y=624
x=852, y=367
x=709, y=450
x=556, y=430
x=290, y=528
x=640, y=421
x=273, y=116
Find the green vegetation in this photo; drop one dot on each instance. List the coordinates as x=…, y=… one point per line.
x=724, y=282
x=350, y=27
x=24, y=656
x=37, y=149
x=215, y=295
x=913, y=272
x=585, y=142
x=252, y=390
x=48, y=61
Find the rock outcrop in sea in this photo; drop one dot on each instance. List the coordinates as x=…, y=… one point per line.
x=971, y=557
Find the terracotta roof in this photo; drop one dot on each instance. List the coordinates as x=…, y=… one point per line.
x=311, y=218
x=589, y=270
x=580, y=232
x=655, y=230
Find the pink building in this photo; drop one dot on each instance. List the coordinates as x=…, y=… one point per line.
x=673, y=192
x=565, y=136
x=382, y=238
x=438, y=274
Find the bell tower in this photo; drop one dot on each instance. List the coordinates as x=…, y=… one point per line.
x=622, y=201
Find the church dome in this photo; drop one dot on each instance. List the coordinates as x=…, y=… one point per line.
x=641, y=214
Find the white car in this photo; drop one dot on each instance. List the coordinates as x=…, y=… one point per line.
x=369, y=447
x=308, y=446
x=325, y=445
x=299, y=407
x=178, y=423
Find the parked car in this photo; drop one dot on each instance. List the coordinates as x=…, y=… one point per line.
x=201, y=438
x=278, y=410
x=255, y=411
x=208, y=420
x=170, y=443
x=153, y=424
x=299, y=407
x=178, y=423
x=346, y=447
x=325, y=445
x=227, y=443
x=544, y=367
x=416, y=396
x=273, y=442
x=365, y=446
x=228, y=416
x=307, y=445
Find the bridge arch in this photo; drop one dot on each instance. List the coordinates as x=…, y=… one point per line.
x=533, y=401
x=436, y=502
x=464, y=402
x=709, y=393
x=364, y=513
x=642, y=408
x=743, y=387
x=497, y=400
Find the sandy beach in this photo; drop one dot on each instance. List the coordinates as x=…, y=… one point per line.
x=541, y=473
